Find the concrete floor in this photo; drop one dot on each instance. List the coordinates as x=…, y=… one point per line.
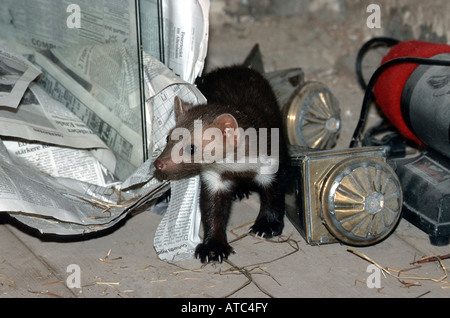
x=123, y=262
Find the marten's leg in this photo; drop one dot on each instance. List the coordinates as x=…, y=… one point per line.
x=215, y=207
x=269, y=221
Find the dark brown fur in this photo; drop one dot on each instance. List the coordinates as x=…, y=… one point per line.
x=244, y=95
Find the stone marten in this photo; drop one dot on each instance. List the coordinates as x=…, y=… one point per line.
x=236, y=143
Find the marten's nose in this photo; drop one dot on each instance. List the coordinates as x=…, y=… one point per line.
x=159, y=164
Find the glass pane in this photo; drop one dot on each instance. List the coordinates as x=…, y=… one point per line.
x=90, y=59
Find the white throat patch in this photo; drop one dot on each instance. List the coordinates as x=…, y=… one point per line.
x=212, y=176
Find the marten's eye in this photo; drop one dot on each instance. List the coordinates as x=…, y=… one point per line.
x=191, y=149
x=167, y=138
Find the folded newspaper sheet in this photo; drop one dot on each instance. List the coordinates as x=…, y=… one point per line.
x=53, y=195
x=57, y=176
x=184, y=24
x=16, y=73
x=99, y=84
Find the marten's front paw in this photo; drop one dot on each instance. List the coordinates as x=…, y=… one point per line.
x=267, y=229
x=213, y=252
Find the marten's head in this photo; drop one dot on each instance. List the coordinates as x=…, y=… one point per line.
x=201, y=136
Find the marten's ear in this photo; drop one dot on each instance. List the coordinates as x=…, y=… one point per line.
x=228, y=125
x=180, y=107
